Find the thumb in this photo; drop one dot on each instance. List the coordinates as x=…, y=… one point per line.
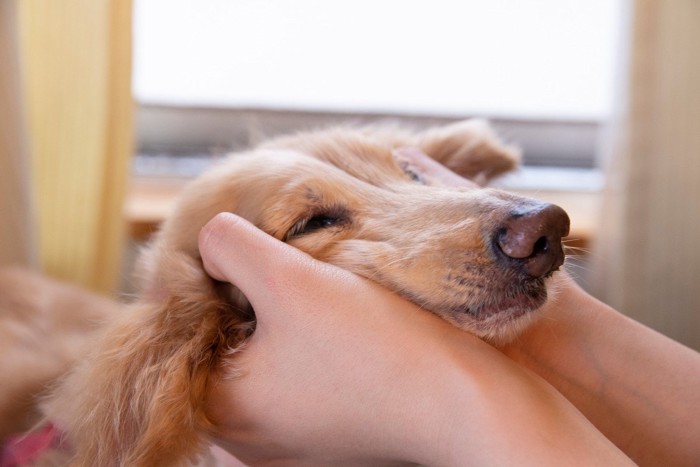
x=226, y=241
x=262, y=267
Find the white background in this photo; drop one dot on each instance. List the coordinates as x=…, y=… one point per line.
x=509, y=58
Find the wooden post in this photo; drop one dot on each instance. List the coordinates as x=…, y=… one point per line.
x=16, y=232
x=648, y=257
x=77, y=68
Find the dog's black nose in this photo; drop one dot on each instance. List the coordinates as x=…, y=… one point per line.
x=530, y=238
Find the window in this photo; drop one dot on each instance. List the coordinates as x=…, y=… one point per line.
x=217, y=73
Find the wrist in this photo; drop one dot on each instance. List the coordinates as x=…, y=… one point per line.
x=490, y=411
x=561, y=321
x=445, y=428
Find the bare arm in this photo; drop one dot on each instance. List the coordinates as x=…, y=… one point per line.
x=641, y=389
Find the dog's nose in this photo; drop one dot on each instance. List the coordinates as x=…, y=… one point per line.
x=530, y=238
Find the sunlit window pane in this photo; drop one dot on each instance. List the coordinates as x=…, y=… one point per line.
x=512, y=58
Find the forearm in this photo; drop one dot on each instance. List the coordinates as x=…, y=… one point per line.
x=638, y=387
x=489, y=412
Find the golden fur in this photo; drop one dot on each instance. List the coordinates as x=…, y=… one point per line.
x=136, y=399
x=44, y=328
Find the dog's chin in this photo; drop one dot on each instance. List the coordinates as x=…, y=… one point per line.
x=500, y=334
x=503, y=318
x=510, y=307
x=506, y=320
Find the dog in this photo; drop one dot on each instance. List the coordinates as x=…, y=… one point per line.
x=477, y=257
x=45, y=326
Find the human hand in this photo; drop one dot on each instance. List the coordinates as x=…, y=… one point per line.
x=341, y=371
x=332, y=363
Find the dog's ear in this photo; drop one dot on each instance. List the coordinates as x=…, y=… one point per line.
x=470, y=148
x=138, y=398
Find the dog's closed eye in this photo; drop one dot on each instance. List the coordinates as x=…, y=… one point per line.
x=412, y=173
x=319, y=221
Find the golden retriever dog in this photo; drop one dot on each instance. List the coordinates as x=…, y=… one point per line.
x=477, y=257
x=45, y=326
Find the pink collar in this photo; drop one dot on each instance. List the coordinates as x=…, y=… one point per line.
x=22, y=448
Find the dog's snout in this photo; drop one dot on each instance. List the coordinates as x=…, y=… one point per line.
x=530, y=238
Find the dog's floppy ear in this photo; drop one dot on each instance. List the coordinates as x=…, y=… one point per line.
x=138, y=398
x=470, y=148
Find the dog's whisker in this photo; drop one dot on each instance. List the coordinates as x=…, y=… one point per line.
x=377, y=272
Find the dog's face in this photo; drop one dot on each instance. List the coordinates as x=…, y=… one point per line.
x=477, y=257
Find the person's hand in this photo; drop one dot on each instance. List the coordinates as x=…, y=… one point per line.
x=342, y=372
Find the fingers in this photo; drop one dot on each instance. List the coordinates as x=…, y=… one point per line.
x=228, y=240
x=430, y=167
x=233, y=250
x=263, y=268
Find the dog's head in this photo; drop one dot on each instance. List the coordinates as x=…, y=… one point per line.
x=477, y=257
